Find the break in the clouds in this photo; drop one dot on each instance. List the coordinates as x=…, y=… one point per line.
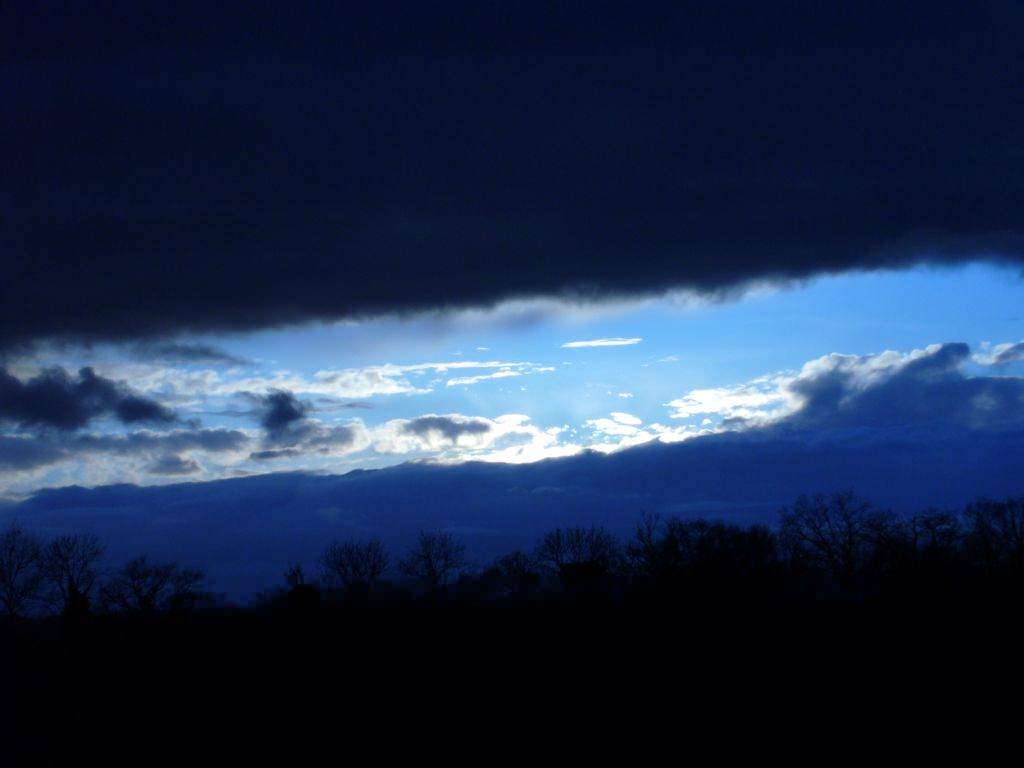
x=910, y=396
x=616, y=342
x=277, y=168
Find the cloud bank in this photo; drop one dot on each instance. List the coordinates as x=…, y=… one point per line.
x=355, y=161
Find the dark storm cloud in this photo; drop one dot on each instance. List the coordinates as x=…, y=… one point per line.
x=179, y=352
x=23, y=452
x=447, y=426
x=54, y=398
x=209, y=169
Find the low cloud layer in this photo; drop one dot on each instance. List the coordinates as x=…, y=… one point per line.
x=357, y=161
x=28, y=452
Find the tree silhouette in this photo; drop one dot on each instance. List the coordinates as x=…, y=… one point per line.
x=996, y=535
x=144, y=587
x=575, y=546
x=516, y=573
x=583, y=558
x=354, y=565
x=833, y=533
x=434, y=560
x=21, y=575
x=69, y=565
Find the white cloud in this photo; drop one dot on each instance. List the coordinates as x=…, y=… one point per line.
x=626, y=418
x=191, y=387
x=505, y=373
x=1000, y=354
x=470, y=380
x=762, y=396
x=614, y=342
x=623, y=430
x=625, y=395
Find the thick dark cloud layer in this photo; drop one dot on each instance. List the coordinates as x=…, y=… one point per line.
x=216, y=168
x=54, y=398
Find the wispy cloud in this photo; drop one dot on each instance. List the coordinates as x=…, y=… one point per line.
x=614, y=342
x=469, y=380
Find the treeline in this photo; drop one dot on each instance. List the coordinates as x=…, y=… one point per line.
x=64, y=576
x=823, y=549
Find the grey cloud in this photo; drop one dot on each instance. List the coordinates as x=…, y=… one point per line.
x=281, y=412
x=23, y=452
x=447, y=426
x=180, y=352
x=54, y=398
x=289, y=431
x=173, y=465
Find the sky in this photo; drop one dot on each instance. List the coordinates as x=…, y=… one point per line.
x=521, y=382
x=239, y=241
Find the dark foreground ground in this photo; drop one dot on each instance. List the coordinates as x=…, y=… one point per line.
x=530, y=682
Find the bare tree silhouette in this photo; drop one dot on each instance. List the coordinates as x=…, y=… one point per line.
x=354, y=565
x=585, y=559
x=576, y=546
x=21, y=575
x=144, y=587
x=833, y=533
x=434, y=560
x=70, y=568
x=996, y=535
